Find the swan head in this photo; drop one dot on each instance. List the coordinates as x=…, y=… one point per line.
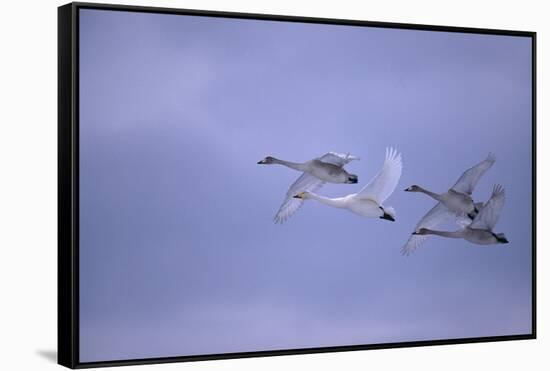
x=267, y=161
x=352, y=179
x=413, y=188
x=501, y=238
x=301, y=195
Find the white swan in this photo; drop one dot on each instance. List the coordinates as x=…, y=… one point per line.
x=480, y=231
x=368, y=202
x=458, y=198
x=327, y=168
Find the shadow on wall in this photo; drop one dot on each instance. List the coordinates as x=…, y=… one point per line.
x=50, y=355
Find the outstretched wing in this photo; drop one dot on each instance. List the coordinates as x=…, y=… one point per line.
x=437, y=215
x=338, y=159
x=488, y=217
x=305, y=182
x=384, y=183
x=468, y=180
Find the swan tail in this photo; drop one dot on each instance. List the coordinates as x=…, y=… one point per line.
x=390, y=210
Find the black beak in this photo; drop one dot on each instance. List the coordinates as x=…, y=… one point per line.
x=296, y=196
x=260, y=162
x=352, y=180
x=407, y=189
x=388, y=217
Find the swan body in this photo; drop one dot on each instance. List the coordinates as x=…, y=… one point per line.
x=362, y=207
x=458, y=198
x=480, y=231
x=368, y=202
x=330, y=173
x=473, y=235
x=458, y=202
x=315, y=173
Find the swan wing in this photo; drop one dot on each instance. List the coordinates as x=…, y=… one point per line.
x=468, y=180
x=290, y=205
x=488, y=216
x=437, y=215
x=384, y=183
x=463, y=221
x=338, y=159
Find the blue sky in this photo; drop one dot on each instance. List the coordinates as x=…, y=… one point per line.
x=178, y=251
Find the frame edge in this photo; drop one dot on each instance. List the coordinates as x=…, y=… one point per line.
x=534, y=181
x=301, y=19
x=67, y=338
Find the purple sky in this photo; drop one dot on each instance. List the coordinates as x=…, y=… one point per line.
x=179, y=254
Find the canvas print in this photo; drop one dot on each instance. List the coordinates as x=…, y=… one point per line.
x=253, y=185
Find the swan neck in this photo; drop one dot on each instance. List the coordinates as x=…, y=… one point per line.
x=430, y=193
x=334, y=202
x=455, y=234
x=292, y=165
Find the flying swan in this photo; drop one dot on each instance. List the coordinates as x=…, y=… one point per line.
x=456, y=204
x=368, y=202
x=436, y=216
x=480, y=231
x=458, y=198
x=325, y=169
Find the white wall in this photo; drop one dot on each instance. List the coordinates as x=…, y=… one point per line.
x=28, y=182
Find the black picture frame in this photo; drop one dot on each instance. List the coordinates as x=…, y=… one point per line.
x=68, y=183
